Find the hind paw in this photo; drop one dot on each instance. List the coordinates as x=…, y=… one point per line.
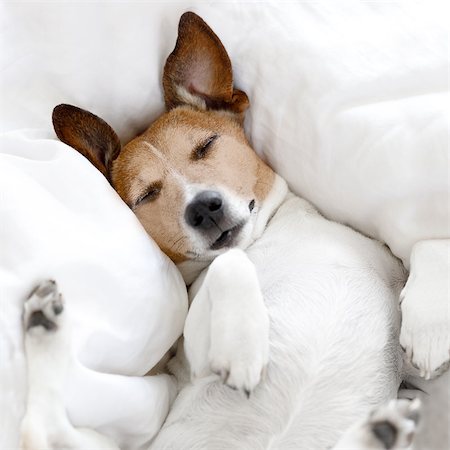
x=43, y=309
x=394, y=425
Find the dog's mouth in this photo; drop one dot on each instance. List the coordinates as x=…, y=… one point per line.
x=227, y=238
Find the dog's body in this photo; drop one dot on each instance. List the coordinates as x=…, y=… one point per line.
x=298, y=313
x=334, y=352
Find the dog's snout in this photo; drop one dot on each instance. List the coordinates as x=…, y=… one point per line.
x=205, y=210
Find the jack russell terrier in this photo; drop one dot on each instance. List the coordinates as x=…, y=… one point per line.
x=292, y=336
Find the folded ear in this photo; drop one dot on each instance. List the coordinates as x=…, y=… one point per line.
x=88, y=134
x=198, y=72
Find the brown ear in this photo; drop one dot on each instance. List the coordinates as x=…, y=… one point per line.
x=88, y=134
x=198, y=72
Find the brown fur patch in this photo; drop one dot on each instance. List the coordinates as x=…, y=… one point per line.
x=231, y=163
x=200, y=65
x=88, y=134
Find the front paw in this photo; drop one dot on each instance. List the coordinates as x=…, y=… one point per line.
x=425, y=333
x=239, y=342
x=227, y=328
x=240, y=358
x=426, y=345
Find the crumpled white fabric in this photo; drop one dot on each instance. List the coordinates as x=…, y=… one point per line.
x=126, y=301
x=348, y=100
x=350, y=104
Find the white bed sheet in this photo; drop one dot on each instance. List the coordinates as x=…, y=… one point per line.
x=349, y=103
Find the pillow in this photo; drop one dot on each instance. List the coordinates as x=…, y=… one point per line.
x=349, y=103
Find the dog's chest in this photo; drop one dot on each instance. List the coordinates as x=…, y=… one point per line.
x=298, y=239
x=305, y=261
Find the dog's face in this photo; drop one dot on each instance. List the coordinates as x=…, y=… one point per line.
x=192, y=178
x=193, y=181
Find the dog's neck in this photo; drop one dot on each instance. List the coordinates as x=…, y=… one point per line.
x=191, y=269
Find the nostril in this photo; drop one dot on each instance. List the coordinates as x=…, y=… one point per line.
x=197, y=220
x=215, y=204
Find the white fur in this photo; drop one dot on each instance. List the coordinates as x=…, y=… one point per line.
x=331, y=296
x=227, y=330
x=425, y=303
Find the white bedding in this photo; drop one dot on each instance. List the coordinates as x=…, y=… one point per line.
x=349, y=103
x=126, y=300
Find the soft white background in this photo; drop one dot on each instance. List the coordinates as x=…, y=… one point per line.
x=349, y=103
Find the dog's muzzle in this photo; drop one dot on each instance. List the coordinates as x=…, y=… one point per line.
x=205, y=211
x=208, y=215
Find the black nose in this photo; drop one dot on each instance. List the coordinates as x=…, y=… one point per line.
x=205, y=210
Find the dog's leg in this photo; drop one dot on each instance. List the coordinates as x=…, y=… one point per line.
x=47, y=346
x=425, y=302
x=227, y=328
x=389, y=427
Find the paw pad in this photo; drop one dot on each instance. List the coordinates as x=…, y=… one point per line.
x=38, y=318
x=385, y=432
x=43, y=307
x=394, y=425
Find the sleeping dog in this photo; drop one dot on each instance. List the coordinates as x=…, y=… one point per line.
x=292, y=337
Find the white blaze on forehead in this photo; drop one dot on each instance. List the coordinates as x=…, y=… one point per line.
x=189, y=189
x=174, y=172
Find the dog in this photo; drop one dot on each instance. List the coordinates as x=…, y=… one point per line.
x=292, y=336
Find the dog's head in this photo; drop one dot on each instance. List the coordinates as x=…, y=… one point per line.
x=192, y=178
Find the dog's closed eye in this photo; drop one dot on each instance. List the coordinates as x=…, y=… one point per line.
x=151, y=193
x=203, y=148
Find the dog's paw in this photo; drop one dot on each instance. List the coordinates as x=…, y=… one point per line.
x=240, y=360
x=389, y=427
x=425, y=333
x=427, y=349
x=43, y=309
x=227, y=328
x=239, y=337
x=394, y=425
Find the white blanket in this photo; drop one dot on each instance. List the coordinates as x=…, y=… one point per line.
x=126, y=300
x=348, y=103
